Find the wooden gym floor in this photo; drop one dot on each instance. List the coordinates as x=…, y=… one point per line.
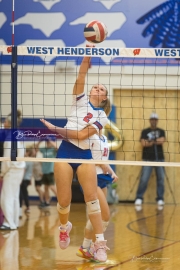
x=147, y=239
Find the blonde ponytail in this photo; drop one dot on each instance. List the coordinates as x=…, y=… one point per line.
x=106, y=105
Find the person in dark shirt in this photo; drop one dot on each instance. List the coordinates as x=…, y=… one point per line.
x=152, y=140
x=2, y=138
x=1, y=152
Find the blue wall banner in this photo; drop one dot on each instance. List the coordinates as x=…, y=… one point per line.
x=60, y=23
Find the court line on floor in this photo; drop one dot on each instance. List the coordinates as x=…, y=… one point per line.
x=144, y=218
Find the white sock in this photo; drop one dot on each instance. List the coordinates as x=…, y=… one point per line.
x=86, y=243
x=99, y=237
x=63, y=226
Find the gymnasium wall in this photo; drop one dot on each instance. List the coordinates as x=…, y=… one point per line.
x=133, y=108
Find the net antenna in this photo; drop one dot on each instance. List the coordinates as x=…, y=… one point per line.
x=13, y=22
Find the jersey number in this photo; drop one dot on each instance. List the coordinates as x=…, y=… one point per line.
x=105, y=154
x=88, y=117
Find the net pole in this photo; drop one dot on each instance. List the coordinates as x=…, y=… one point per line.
x=13, y=91
x=14, y=101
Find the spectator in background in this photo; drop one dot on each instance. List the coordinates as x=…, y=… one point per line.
x=1, y=179
x=2, y=138
x=12, y=172
x=1, y=141
x=24, y=196
x=152, y=140
x=1, y=151
x=49, y=151
x=37, y=174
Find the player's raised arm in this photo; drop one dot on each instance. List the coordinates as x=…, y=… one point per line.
x=80, y=81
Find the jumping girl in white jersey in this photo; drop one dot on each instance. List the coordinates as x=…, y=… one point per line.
x=84, y=112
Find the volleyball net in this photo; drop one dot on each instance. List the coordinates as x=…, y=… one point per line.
x=38, y=81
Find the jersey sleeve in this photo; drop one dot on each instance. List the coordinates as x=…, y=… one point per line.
x=81, y=98
x=100, y=122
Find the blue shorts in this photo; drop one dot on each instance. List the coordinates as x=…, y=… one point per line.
x=103, y=181
x=69, y=150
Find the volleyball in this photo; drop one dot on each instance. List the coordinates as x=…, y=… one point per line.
x=95, y=32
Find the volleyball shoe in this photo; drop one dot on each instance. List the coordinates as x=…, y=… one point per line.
x=64, y=239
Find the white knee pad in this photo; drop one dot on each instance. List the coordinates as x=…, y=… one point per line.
x=105, y=225
x=63, y=210
x=93, y=207
x=89, y=225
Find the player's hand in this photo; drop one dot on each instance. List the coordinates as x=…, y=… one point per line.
x=48, y=124
x=115, y=178
x=90, y=45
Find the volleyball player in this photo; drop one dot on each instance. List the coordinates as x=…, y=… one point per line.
x=84, y=112
x=105, y=176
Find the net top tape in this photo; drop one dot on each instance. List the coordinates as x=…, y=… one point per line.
x=93, y=52
x=91, y=161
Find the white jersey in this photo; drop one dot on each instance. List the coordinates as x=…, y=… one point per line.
x=83, y=113
x=99, y=150
x=7, y=165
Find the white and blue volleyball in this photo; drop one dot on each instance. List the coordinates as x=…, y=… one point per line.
x=95, y=32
